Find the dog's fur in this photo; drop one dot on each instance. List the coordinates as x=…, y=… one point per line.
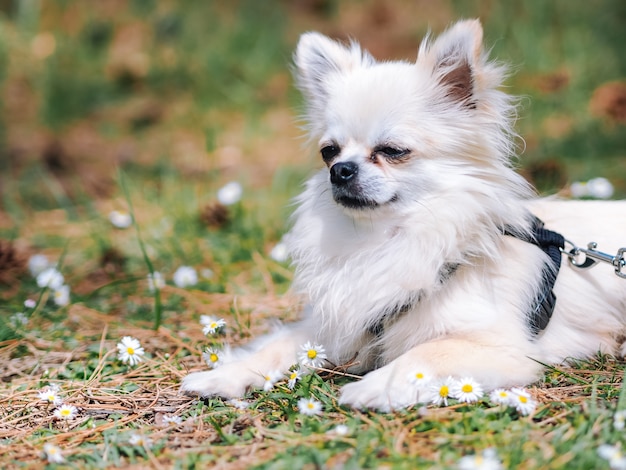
x=398, y=243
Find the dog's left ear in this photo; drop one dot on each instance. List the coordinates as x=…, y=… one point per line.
x=456, y=58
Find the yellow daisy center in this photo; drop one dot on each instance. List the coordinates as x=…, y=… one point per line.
x=311, y=353
x=310, y=406
x=213, y=325
x=130, y=350
x=467, y=388
x=503, y=394
x=293, y=375
x=523, y=399
x=213, y=357
x=66, y=412
x=444, y=391
x=419, y=376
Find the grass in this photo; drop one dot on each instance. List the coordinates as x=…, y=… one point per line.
x=151, y=107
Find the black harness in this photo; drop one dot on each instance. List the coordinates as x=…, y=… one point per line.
x=540, y=311
x=551, y=243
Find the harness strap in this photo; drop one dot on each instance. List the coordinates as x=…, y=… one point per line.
x=551, y=243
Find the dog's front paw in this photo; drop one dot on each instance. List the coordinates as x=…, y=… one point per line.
x=228, y=381
x=384, y=389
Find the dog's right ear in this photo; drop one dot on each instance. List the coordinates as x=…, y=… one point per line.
x=318, y=58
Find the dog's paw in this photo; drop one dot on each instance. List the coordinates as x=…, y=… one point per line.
x=384, y=389
x=228, y=381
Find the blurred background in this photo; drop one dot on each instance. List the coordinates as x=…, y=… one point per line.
x=185, y=96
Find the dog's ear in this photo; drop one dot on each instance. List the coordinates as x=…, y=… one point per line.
x=456, y=58
x=317, y=58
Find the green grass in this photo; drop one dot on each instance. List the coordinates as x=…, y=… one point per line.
x=200, y=95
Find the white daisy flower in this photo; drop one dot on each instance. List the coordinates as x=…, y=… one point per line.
x=466, y=390
x=614, y=455
x=120, y=219
x=37, y=264
x=239, y=404
x=340, y=430
x=155, y=281
x=522, y=401
x=51, y=395
x=440, y=391
x=129, y=350
x=211, y=325
x=600, y=188
x=312, y=355
x=230, y=193
x=280, y=252
x=53, y=453
x=500, y=396
x=18, y=319
x=172, y=419
x=30, y=303
x=65, y=412
x=211, y=357
x=309, y=406
x=51, y=278
x=488, y=460
x=579, y=189
x=270, y=379
x=137, y=439
x=293, y=377
x=185, y=276
x=419, y=378
x=619, y=420
x=61, y=296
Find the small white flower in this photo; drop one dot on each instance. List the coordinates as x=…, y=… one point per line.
x=53, y=453
x=65, y=412
x=120, y=219
x=619, y=420
x=129, y=350
x=579, y=189
x=172, y=419
x=488, y=460
x=312, y=355
x=419, y=378
x=61, y=295
x=617, y=460
x=155, y=281
x=340, y=430
x=440, y=391
x=51, y=395
x=211, y=325
x=30, y=303
x=137, y=439
x=211, y=357
x=500, y=396
x=185, y=276
x=293, y=377
x=270, y=379
x=51, y=278
x=230, y=193
x=207, y=273
x=466, y=390
x=37, y=264
x=309, y=406
x=280, y=252
x=522, y=401
x=600, y=188
x=18, y=319
x=239, y=404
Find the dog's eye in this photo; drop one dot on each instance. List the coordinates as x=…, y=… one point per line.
x=329, y=152
x=391, y=152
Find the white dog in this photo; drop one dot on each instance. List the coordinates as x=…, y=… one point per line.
x=417, y=247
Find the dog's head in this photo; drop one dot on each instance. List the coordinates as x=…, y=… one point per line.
x=393, y=133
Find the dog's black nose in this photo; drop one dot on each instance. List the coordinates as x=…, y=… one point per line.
x=342, y=172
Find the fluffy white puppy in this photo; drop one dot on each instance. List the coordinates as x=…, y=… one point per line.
x=417, y=246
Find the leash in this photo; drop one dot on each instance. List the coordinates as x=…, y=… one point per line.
x=591, y=256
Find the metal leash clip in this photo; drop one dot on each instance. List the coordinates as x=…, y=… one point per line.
x=591, y=256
